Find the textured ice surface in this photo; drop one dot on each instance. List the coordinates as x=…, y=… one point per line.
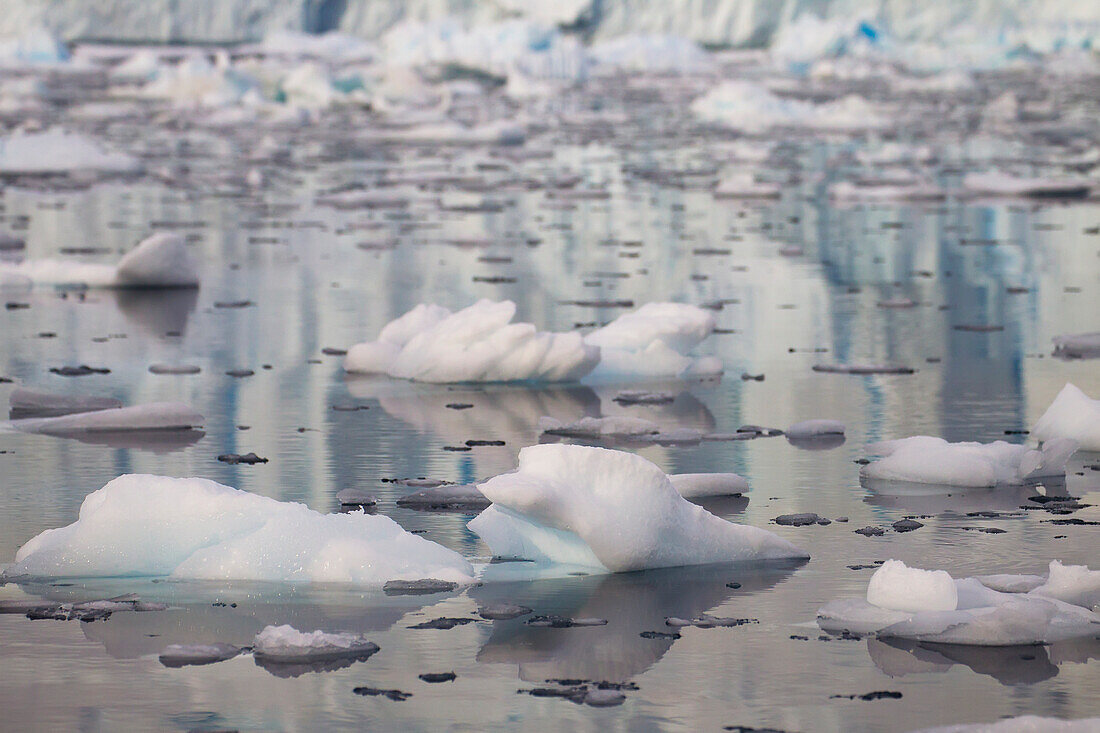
x=476, y=344
x=142, y=525
x=153, y=416
x=285, y=644
x=899, y=588
x=180, y=655
x=1074, y=584
x=159, y=261
x=608, y=509
x=929, y=460
x=481, y=344
x=981, y=616
x=1073, y=415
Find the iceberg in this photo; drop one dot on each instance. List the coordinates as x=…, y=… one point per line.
x=609, y=510
x=1072, y=416
x=930, y=606
x=654, y=341
x=924, y=459
x=159, y=261
x=26, y=402
x=475, y=344
x=144, y=525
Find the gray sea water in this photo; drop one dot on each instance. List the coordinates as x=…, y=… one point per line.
x=318, y=277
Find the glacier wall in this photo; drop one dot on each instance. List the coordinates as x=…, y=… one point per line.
x=1041, y=25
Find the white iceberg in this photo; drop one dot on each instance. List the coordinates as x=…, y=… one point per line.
x=151, y=416
x=143, y=525
x=927, y=460
x=159, y=261
x=475, y=344
x=700, y=485
x=915, y=604
x=1073, y=415
x=181, y=655
x=609, y=510
x=286, y=645
x=814, y=428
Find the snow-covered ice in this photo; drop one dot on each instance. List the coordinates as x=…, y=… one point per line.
x=930, y=460
x=814, y=428
x=609, y=510
x=1073, y=415
x=181, y=655
x=143, y=525
x=916, y=604
x=286, y=645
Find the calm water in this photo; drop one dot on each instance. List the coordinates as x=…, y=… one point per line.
x=318, y=277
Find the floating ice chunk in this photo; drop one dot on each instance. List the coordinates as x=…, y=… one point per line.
x=56, y=151
x=159, y=261
x=929, y=460
x=180, y=655
x=814, y=428
x=981, y=616
x=1022, y=724
x=610, y=510
x=153, y=416
x=1011, y=583
x=1074, y=584
x=476, y=344
x=652, y=53
x=899, y=588
x=745, y=186
x=1073, y=415
x=862, y=369
x=142, y=525
x=746, y=106
x=654, y=341
x=331, y=46
x=286, y=645
x=1001, y=184
x=1077, y=346
x=26, y=402
x=848, y=191
x=697, y=485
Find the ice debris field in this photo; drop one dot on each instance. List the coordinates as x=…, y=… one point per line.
x=645, y=365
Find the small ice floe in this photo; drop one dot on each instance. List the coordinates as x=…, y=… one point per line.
x=609, y=510
x=700, y=485
x=642, y=397
x=1022, y=724
x=1077, y=346
x=26, y=403
x=481, y=344
x=620, y=429
x=819, y=434
x=452, y=496
x=83, y=610
x=1002, y=184
x=214, y=532
x=181, y=369
x=418, y=587
x=863, y=369
x=182, y=655
x=160, y=261
x=915, y=191
x=928, y=460
x=286, y=645
x=1074, y=416
x=502, y=611
x=153, y=416
x=931, y=606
